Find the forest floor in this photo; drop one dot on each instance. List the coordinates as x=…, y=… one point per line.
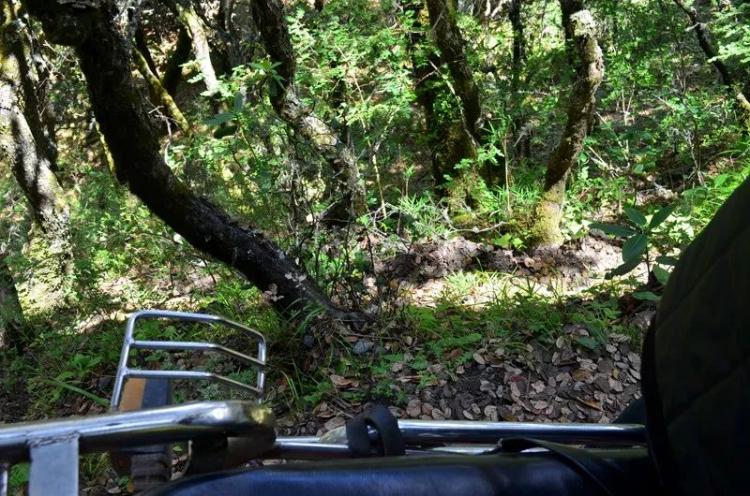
x=576, y=373
x=468, y=331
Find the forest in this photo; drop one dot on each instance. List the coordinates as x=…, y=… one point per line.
x=464, y=209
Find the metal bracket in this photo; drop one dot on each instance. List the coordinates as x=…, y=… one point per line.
x=54, y=466
x=129, y=343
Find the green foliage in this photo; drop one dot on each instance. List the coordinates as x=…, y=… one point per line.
x=637, y=234
x=663, y=132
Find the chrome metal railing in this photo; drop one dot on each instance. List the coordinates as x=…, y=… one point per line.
x=124, y=371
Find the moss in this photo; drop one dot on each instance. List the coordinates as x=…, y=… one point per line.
x=158, y=93
x=546, y=232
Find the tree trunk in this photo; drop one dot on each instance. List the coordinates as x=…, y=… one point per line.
x=568, y=8
x=426, y=81
x=159, y=95
x=519, y=41
x=704, y=40
x=269, y=17
x=451, y=44
x=25, y=143
x=589, y=74
x=142, y=46
x=196, y=30
x=462, y=142
x=11, y=317
x=104, y=51
x=521, y=138
x=173, y=68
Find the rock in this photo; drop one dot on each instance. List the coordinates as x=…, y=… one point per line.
x=468, y=415
x=308, y=341
x=616, y=386
x=437, y=414
x=490, y=413
x=427, y=408
x=602, y=383
x=362, y=346
x=414, y=408
x=334, y=423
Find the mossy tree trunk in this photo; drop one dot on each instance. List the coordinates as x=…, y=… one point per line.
x=426, y=82
x=27, y=145
x=452, y=51
x=464, y=139
x=103, y=45
x=159, y=95
x=12, y=335
x=269, y=17
x=197, y=31
x=589, y=72
x=703, y=36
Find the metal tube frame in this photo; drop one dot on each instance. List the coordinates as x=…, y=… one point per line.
x=58, y=442
x=130, y=343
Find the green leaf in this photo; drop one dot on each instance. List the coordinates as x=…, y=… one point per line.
x=661, y=274
x=75, y=389
x=624, y=268
x=613, y=229
x=587, y=342
x=661, y=215
x=636, y=216
x=634, y=247
x=220, y=119
x=646, y=296
x=667, y=260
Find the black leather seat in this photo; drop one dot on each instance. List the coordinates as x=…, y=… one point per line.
x=522, y=474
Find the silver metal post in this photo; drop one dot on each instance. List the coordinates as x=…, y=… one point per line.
x=54, y=466
x=4, y=471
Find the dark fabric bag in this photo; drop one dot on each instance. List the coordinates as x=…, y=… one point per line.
x=696, y=361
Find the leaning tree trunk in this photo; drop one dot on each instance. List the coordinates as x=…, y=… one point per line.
x=426, y=81
x=26, y=143
x=451, y=44
x=159, y=95
x=589, y=75
x=197, y=31
x=704, y=40
x=269, y=17
x=104, y=51
x=469, y=137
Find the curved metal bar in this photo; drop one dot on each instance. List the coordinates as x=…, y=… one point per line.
x=194, y=346
x=129, y=342
x=190, y=375
x=141, y=427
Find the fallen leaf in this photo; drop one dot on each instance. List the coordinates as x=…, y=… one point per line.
x=581, y=375
x=479, y=359
x=591, y=404
x=339, y=381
